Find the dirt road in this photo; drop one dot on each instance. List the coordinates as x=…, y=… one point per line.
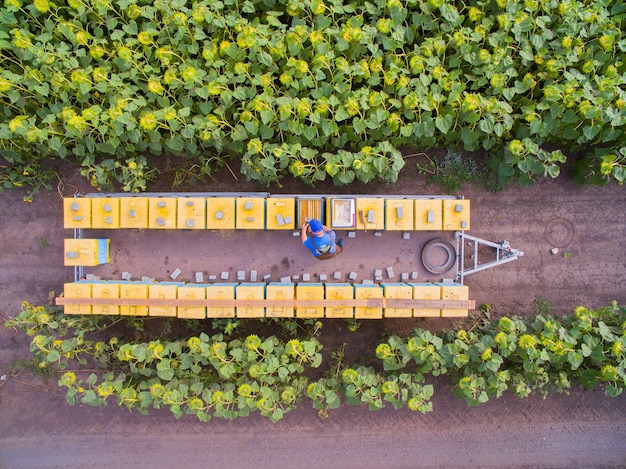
x=586, y=429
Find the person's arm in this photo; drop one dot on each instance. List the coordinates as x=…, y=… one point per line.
x=333, y=237
x=303, y=235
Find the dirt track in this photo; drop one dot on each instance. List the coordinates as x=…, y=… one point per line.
x=37, y=428
x=583, y=430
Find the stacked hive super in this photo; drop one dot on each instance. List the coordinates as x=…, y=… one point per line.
x=258, y=300
x=266, y=213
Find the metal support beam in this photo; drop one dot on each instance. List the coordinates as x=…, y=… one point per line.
x=504, y=254
x=79, y=270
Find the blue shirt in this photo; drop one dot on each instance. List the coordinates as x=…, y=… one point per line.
x=322, y=244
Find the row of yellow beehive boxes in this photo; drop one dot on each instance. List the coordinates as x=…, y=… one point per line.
x=331, y=300
x=271, y=213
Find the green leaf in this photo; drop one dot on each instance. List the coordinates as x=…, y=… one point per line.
x=619, y=173
x=266, y=132
x=444, y=123
x=450, y=13
x=613, y=391
x=328, y=128
x=344, y=177
x=341, y=114
x=486, y=125
x=575, y=359
x=267, y=115
x=591, y=131
x=164, y=370
x=553, y=171
x=202, y=92
x=175, y=144
x=359, y=125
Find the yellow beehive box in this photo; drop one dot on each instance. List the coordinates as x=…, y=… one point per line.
x=339, y=292
x=280, y=213
x=134, y=212
x=426, y=291
x=280, y=292
x=105, y=212
x=370, y=213
x=428, y=215
x=399, y=214
x=135, y=291
x=250, y=213
x=454, y=292
x=85, y=251
x=76, y=212
x=362, y=292
x=77, y=290
x=310, y=292
x=220, y=213
x=192, y=292
x=456, y=214
x=398, y=291
x=255, y=293
x=163, y=291
x=222, y=292
x=192, y=213
x=162, y=213
x=106, y=290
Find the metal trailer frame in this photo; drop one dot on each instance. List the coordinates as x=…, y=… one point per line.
x=79, y=270
x=504, y=254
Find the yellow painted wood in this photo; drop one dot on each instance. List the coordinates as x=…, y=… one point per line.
x=426, y=292
x=191, y=213
x=134, y=212
x=189, y=292
x=77, y=212
x=221, y=213
x=134, y=290
x=454, y=292
x=250, y=213
x=398, y=291
x=250, y=291
x=162, y=213
x=424, y=208
x=364, y=292
x=456, y=214
x=283, y=208
x=161, y=291
x=105, y=212
x=280, y=291
x=106, y=290
x=339, y=291
x=310, y=291
x=220, y=291
x=363, y=206
x=85, y=249
x=392, y=208
x=77, y=290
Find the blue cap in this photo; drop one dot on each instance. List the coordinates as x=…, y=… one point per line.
x=315, y=225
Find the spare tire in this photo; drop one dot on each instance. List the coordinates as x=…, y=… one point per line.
x=438, y=256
